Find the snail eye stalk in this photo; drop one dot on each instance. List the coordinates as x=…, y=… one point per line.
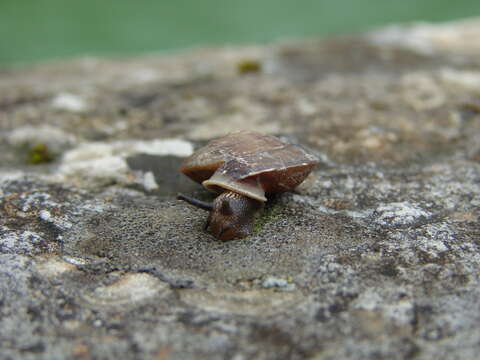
x=200, y=204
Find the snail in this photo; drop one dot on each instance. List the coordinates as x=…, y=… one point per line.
x=243, y=168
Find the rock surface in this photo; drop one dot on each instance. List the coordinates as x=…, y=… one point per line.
x=375, y=256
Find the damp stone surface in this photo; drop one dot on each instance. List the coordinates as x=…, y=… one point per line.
x=375, y=256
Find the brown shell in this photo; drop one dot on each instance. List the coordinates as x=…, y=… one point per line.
x=249, y=163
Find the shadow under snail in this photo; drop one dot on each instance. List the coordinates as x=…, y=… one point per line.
x=243, y=168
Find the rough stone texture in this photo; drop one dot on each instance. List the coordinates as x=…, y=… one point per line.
x=375, y=256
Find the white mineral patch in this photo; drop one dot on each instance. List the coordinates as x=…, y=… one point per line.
x=274, y=282
x=437, y=245
x=69, y=102
x=369, y=300
x=431, y=246
x=149, y=182
x=14, y=241
x=59, y=222
x=326, y=184
x=442, y=232
x=401, y=312
x=88, y=151
x=40, y=134
x=469, y=80
x=417, y=38
x=175, y=147
x=74, y=260
x=108, y=160
x=10, y=175
x=53, y=266
x=31, y=200
x=107, y=167
x=251, y=302
x=349, y=183
x=424, y=38
x=45, y=215
x=361, y=214
x=306, y=107
x=129, y=290
x=399, y=213
x=97, y=150
x=421, y=91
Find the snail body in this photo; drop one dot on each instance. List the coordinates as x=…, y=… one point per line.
x=243, y=168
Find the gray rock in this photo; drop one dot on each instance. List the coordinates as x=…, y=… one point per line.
x=376, y=255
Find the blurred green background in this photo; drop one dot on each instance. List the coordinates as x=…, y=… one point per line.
x=39, y=30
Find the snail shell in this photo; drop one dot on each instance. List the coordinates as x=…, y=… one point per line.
x=250, y=164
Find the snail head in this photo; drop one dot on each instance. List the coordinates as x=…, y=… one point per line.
x=231, y=214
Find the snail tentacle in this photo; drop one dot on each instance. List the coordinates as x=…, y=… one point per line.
x=198, y=203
